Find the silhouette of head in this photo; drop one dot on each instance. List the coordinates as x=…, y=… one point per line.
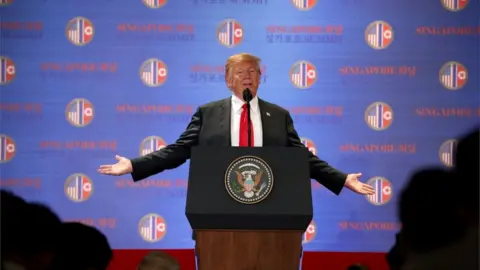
x=428, y=215
x=358, y=266
x=29, y=232
x=158, y=261
x=84, y=245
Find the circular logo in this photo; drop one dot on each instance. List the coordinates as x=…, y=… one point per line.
x=151, y=144
x=447, y=152
x=152, y=228
x=379, y=116
x=304, y=5
x=154, y=3
x=79, y=31
x=78, y=187
x=383, y=191
x=309, y=145
x=303, y=74
x=7, y=148
x=153, y=72
x=6, y=2
x=310, y=233
x=453, y=75
x=454, y=5
x=229, y=33
x=379, y=35
x=249, y=180
x=79, y=112
x=8, y=67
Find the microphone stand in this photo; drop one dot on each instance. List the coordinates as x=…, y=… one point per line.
x=249, y=130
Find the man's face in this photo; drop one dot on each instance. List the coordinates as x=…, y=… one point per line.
x=244, y=75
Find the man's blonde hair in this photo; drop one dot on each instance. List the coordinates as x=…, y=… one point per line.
x=239, y=58
x=157, y=260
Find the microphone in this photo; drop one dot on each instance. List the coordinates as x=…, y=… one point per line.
x=247, y=96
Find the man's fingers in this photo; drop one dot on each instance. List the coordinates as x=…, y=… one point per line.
x=368, y=189
x=104, y=171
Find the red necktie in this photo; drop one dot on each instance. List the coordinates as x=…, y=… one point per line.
x=243, y=142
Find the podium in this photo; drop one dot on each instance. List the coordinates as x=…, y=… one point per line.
x=249, y=207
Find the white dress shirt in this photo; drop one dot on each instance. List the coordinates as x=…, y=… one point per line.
x=254, y=116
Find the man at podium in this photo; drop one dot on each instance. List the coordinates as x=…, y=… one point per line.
x=226, y=123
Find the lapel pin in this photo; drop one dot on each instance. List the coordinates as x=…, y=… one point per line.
x=268, y=114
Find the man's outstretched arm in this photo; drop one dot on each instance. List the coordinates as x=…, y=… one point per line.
x=172, y=155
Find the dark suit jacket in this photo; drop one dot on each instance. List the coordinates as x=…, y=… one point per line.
x=210, y=125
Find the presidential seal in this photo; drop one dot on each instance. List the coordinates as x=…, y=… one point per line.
x=249, y=180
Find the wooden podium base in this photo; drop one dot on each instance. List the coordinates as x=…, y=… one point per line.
x=248, y=250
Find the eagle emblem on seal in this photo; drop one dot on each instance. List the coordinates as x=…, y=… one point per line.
x=249, y=180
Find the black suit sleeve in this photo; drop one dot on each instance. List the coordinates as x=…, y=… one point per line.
x=172, y=155
x=320, y=170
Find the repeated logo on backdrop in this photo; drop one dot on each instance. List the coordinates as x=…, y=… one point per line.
x=154, y=3
x=383, y=191
x=309, y=145
x=379, y=116
x=303, y=74
x=79, y=112
x=310, y=233
x=80, y=31
x=7, y=148
x=447, y=151
x=454, y=5
x=379, y=35
x=152, y=228
x=6, y=2
x=151, y=144
x=7, y=70
x=153, y=72
x=230, y=33
x=304, y=5
x=119, y=79
x=453, y=75
x=78, y=187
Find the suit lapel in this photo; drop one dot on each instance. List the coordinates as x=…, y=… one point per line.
x=267, y=122
x=225, y=118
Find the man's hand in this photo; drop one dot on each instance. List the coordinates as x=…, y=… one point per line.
x=356, y=186
x=123, y=166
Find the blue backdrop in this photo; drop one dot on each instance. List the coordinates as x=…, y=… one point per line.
x=378, y=87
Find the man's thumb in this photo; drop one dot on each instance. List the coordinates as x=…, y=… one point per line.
x=358, y=174
x=117, y=157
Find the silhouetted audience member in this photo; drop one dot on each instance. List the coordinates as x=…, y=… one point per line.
x=11, y=206
x=467, y=169
x=428, y=215
x=29, y=234
x=156, y=260
x=455, y=222
x=358, y=267
x=82, y=247
x=397, y=255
